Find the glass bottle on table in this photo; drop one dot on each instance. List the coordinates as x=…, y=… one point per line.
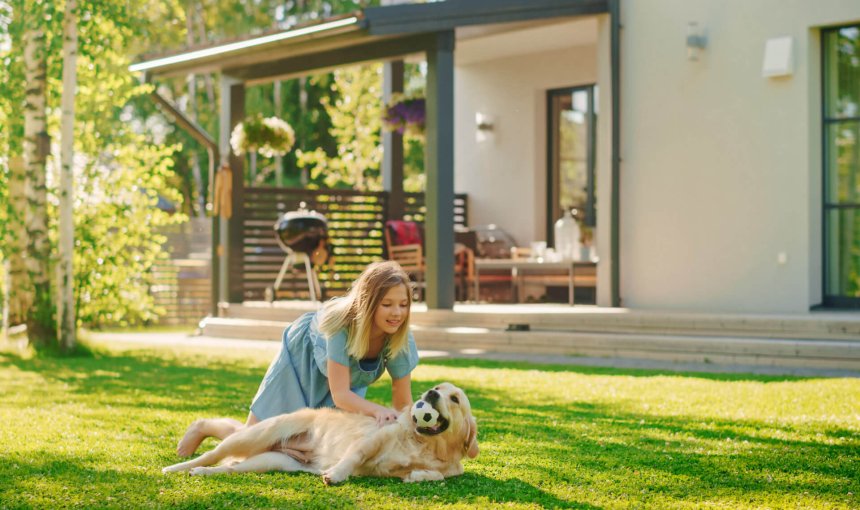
x=567, y=236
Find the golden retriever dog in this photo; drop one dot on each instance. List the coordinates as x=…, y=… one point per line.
x=337, y=444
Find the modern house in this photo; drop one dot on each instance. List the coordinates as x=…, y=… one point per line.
x=713, y=145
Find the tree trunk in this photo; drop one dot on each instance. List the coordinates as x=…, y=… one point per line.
x=19, y=283
x=40, y=315
x=65, y=270
x=192, y=113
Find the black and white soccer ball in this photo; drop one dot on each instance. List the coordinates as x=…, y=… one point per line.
x=423, y=414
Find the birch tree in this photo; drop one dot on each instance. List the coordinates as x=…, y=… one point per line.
x=66, y=305
x=13, y=237
x=40, y=314
x=190, y=12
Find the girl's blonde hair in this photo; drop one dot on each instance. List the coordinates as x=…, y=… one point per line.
x=354, y=311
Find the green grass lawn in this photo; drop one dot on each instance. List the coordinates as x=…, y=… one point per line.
x=95, y=431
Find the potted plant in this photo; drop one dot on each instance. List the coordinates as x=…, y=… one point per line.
x=405, y=115
x=269, y=136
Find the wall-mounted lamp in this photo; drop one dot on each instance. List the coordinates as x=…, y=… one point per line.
x=696, y=41
x=483, y=122
x=484, y=125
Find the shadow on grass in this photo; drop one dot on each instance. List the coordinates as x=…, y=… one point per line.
x=151, y=380
x=45, y=483
x=470, y=489
x=588, y=370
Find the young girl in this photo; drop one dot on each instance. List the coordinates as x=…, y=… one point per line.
x=329, y=358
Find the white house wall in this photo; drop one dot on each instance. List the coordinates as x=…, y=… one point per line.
x=721, y=167
x=505, y=175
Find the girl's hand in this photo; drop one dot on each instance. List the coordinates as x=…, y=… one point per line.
x=385, y=416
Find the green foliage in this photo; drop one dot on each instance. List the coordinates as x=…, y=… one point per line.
x=116, y=239
x=356, y=115
x=11, y=124
x=356, y=111
x=128, y=154
x=310, y=122
x=119, y=173
x=94, y=432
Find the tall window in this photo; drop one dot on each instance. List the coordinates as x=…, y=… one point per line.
x=570, y=155
x=841, y=114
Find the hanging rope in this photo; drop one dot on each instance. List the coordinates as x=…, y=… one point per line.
x=224, y=192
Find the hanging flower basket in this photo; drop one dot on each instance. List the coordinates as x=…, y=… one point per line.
x=405, y=115
x=270, y=136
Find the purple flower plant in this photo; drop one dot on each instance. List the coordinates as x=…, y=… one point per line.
x=405, y=115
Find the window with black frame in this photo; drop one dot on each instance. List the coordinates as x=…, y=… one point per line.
x=841, y=115
x=571, y=129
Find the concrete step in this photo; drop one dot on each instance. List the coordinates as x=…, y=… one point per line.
x=250, y=329
x=718, y=350
x=819, y=326
x=824, y=354
x=266, y=311
x=660, y=323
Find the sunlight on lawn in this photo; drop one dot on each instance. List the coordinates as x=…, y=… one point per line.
x=94, y=431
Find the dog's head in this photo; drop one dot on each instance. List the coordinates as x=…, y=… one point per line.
x=455, y=426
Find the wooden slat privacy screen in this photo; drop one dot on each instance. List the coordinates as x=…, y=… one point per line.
x=355, y=223
x=181, y=283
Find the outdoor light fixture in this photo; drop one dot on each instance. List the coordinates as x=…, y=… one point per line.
x=483, y=125
x=483, y=122
x=696, y=41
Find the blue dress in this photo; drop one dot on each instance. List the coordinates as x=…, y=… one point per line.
x=298, y=376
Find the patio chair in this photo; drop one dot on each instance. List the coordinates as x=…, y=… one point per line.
x=404, y=244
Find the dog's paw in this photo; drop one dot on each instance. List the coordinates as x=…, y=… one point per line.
x=200, y=471
x=171, y=469
x=423, y=475
x=332, y=477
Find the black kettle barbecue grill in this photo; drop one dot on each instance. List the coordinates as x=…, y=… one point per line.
x=302, y=234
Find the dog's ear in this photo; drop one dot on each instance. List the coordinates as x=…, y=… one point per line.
x=471, y=444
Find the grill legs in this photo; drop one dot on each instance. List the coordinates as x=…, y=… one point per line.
x=292, y=259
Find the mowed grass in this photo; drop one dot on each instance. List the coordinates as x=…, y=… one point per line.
x=94, y=431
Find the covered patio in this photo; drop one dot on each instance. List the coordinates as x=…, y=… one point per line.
x=431, y=32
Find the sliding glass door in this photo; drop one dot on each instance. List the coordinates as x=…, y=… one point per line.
x=841, y=115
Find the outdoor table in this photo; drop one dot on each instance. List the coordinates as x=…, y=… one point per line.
x=520, y=266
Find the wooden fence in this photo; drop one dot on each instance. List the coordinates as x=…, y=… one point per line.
x=182, y=285
x=355, y=227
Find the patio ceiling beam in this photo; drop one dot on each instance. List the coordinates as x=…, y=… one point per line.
x=192, y=128
x=448, y=15
x=297, y=65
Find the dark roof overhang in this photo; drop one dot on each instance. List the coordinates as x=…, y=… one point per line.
x=376, y=33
